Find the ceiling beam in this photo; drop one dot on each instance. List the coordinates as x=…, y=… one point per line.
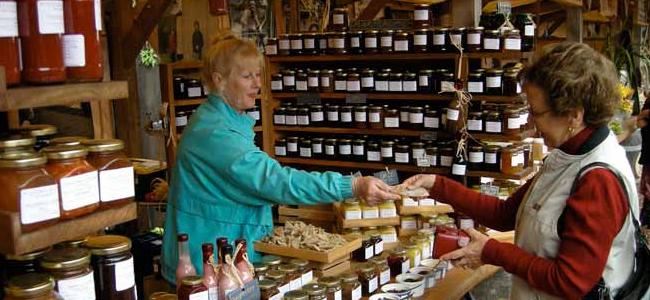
x=373, y=8
x=141, y=29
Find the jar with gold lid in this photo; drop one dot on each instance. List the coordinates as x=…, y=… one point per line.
x=491, y=41
x=279, y=278
x=291, y=116
x=353, y=83
x=431, y=119
x=333, y=287
x=269, y=290
x=368, y=80
x=15, y=265
x=355, y=38
x=493, y=82
x=509, y=161
x=401, y=42
x=346, y=116
x=67, y=140
x=492, y=158
x=426, y=83
x=70, y=268
x=332, y=115
x=367, y=278
x=416, y=117
x=42, y=132
x=381, y=81
x=321, y=42
x=31, y=286
x=422, y=40
x=302, y=116
x=296, y=295
x=410, y=82
x=417, y=151
x=344, y=149
x=16, y=143
x=276, y=82
x=476, y=82
x=493, y=122
x=292, y=275
x=512, y=40
x=112, y=264
x=330, y=148
x=440, y=40
x=387, y=155
x=340, y=19
x=382, y=271
x=116, y=177
x=391, y=118
x=340, y=81
x=288, y=80
x=457, y=38
x=475, y=158
x=351, y=286
x=511, y=119
x=432, y=155
x=305, y=148
x=326, y=83
x=474, y=39
x=313, y=78
x=301, y=81
x=292, y=146
x=422, y=16
x=386, y=41
x=352, y=210
x=284, y=45
x=271, y=47
x=260, y=269
x=373, y=151
x=475, y=121
x=337, y=43
x=316, y=291
x=309, y=43
x=395, y=82
x=272, y=261
x=370, y=41
x=280, y=147
x=447, y=153
x=511, y=85
x=375, y=117
x=77, y=180
x=305, y=271
x=424, y=246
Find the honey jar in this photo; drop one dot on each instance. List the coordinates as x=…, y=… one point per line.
x=116, y=176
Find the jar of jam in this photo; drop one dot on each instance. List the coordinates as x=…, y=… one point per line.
x=321, y=42
x=279, y=278
x=29, y=190
x=404, y=115
x=340, y=81
x=359, y=149
x=279, y=116
x=12, y=143
x=410, y=83
x=301, y=81
x=81, y=42
x=387, y=155
x=523, y=117
x=474, y=39
x=309, y=43
x=431, y=119
x=9, y=53
x=432, y=155
x=524, y=22
x=416, y=117
x=289, y=80
x=291, y=116
x=112, y=264
x=345, y=149
x=511, y=118
x=351, y=286
x=313, y=77
x=509, y=161
x=316, y=291
x=276, y=82
x=386, y=41
x=422, y=16
x=346, y=115
x=368, y=80
x=373, y=153
x=398, y=262
x=493, y=122
x=447, y=82
x=292, y=275
x=491, y=41
x=492, y=161
x=353, y=84
x=340, y=19
x=333, y=287
x=260, y=270
x=317, y=147
x=440, y=40
x=292, y=146
x=375, y=117
x=417, y=151
x=457, y=38
x=284, y=44
x=330, y=148
x=332, y=115
x=31, y=286
x=302, y=116
x=512, y=40
x=402, y=154
x=305, y=148
x=116, y=179
x=511, y=86
x=326, y=81
x=296, y=295
x=192, y=287
x=475, y=158
x=77, y=180
x=295, y=43
x=422, y=40
x=366, y=251
x=475, y=82
x=15, y=265
x=447, y=154
x=271, y=47
x=354, y=43
x=42, y=132
x=306, y=272
x=268, y=290
x=414, y=254
x=395, y=83
x=493, y=82
x=367, y=278
x=519, y=158
x=391, y=118
x=337, y=43
x=316, y=115
x=401, y=42
x=381, y=81
x=475, y=121
x=378, y=242
x=370, y=43
x=425, y=81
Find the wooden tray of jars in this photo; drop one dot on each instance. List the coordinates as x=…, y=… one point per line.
x=427, y=209
x=331, y=269
x=354, y=243
x=362, y=223
x=14, y=242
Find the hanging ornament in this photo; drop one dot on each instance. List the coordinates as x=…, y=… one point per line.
x=148, y=56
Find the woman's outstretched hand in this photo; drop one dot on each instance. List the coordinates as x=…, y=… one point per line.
x=372, y=190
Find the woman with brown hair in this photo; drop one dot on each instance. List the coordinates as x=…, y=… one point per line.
x=572, y=223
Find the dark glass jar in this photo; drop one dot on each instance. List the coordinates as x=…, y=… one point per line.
x=475, y=121
x=340, y=20
x=422, y=40
x=437, y=77
x=271, y=47
x=474, y=39
x=321, y=42
x=375, y=117
x=425, y=81
x=416, y=117
x=337, y=43
x=366, y=251
x=301, y=81
x=431, y=119
x=296, y=43
x=401, y=42
x=512, y=40
x=345, y=149
x=387, y=154
x=276, y=83
x=353, y=84
x=292, y=146
x=16, y=265
x=476, y=82
x=371, y=41
x=289, y=80
x=112, y=264
x=386, y=41
x=491, y=41
x=417, y=151
x=493, y=122
x=373, y=153
x=493, y=82
x=447, y=82
x=329, y=150
x=457, y=37
x=422, y=16
x=309, y=43
x=359, y=150
x=440, y=40
x=526, y=25
x=346, y=116
x=511, y=86
x=403, y=154
x=410, y=82
x=333, y=285
x=194, y=88
x=291, y=116
x=492, y=158
x=381, y=81
x=316, y=115
x=368, y=278
x=368, y=80
x=280, y=147
x=313, y=78
x=340, y=81
x=475, y=158
x=432, y=155
x=511, y=118
x=391, y=118
x=317, y=147
x=395, y=82
x=279, y=116
x=332, y=115
x=354, y=43
x=361, y=116
x=32, y=287
x=404, y=115
x=326, y=84
x=378, y=243
x=525, y=115
x=305, y=148
x=398, y=262
x=284, y=45
x=447, y=154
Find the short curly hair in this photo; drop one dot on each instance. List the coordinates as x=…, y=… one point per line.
x=575, y=75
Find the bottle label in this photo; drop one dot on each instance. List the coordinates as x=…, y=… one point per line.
x=379, y=248
x=289, y=80
x=303, y=120
x=305, y=152
x=355, y=43
x=420, y=40
x=474, y=39
x=317, y=148
x=317, y=116
x=292, y=147
x=513, y=44
x=325, y=82
x=401, y=46
x=452, y=114
x=345, y=149
x=370, y=251
x=395, y=86
x=312, y=82
x=421, y=14
x=353, y=86
x=77, y=288
x=418, y=153
x=50, y=16
x=338, y=19
x=301, y=85
x=381, y=86
x=291, y=120
x=386, y=41
x=370, y=42
x=475, y=125
x=280, y=151
x=372, y=285
x=491, y=44
x=124, y=275
x=513, y=123
x=39, y=204
x=459, y=170
x=374, y=117
x=387, y=152
x=276, y=85
x=356, y=294
x=430, y=122
x=200, y=296
x=491, y=158
x=523, y=119
x=346, y=117
x=98, y=15
x=332, y=116
x=438, y=39
x=116, y=184
x=475, y=87
x=446, y=161
x=476, y=157
x=384, y=277
x=310, y=43
x=271, y=49
x=529, y=30
x=367, y=82
x=493, y=127
x=370, y=213
x=387, y=213
x=79, y=191
x=74, y=53
x=8, y=19
x=410, y=86
x=374, y=156
x=392, y=122
x=340, y=85
x=358, y=150
x=284, y=44
x=307, y=278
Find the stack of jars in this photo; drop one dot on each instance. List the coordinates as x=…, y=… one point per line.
x=497, y=82
x=511, y=120
x=523, y=22
x=188, y=88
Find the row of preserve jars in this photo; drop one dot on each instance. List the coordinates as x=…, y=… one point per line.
x=438, y=40
x=98, y=267
x=64, y=181
x=51, y=41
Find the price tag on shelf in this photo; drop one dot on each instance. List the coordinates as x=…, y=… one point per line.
x=307, y=98
x=355, y=98
x=389, y=176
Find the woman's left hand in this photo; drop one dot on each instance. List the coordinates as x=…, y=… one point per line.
x=470, y=255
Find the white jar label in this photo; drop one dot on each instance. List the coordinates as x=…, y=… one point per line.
x=291, y=120
x=340, y=85
x=386, y=152
x=513, y=44
x=194, y=92
x=386, y=41
x=421, y=15
x=430, y=122
x=322, y=43
x=473, y=38
x=446, y=161
x=410, y=86
x=493, y=127
x=456, y=39
x=200, y=296
x=358, y=150
x=271, y=50
x=513, y=123
x=452, y=114
x=447, y=86
x=401, y=46
x=77, y=288
x=79, y=191
x=392, y=122
x=416, y=118
x=285, y=44
x=374, y=117
x=418, y=153
x=305, y=152
x=345, y=149
x=475, y=87
x=402, y=157
x=338, y=295
x=329, y=150
x=307, y=278
x=312, y=81
x=276, y=85
x=296, y=44
x=346, y=117
x=370, y=214
x=310, y=44
x=338, y=44
x=475, y=125
x=466, y=223
x=354, y=42
x=50, y=16
x=367, y=82
x=493, y=81
x=529, y=30
x=438, y=39
x=39, y=204
x=281, y=151
x=317, y=148
x=332, y=116
x=426, y=202
x=292, y=147
x=317, y=116
x=370, y=252
x=295, y=284
x=116, y=184
x=476, y=157
x=303, y=120
x=353, y=86
x=370, y=42
x=8, y=19
x=523, y=119
x=409, y=225
x=325, y=82
x=372, y=285
x=491, y=158
x=389, y=238
x=284, y=289
x=381, y=86
x=491, y=44
x=395, y=86
x=423, y=80
x=406, y=266
x=338, y=19
x=420, y=40
x=373, y=156
x=384, y=277
x=74, y=53
x=433, y=160
x=352, y=215
x=457, y=169
x=356, y=294
x=387, y=213
x=301, y=85
x=426, y=252
x=289, y=80
x=124, y=275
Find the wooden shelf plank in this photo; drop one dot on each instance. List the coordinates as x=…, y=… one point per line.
x=523, y=175
x=62, y=94
x=496, y=99
x=14, y=242
x=305, y=213
x=191, y=64
x=363, y=223
x=189, y=102
x=498, y=55
x=362, y=57
x=503, y=137
x=360, y=165
x=417, y=210
x=368, y=131
x=373, y=96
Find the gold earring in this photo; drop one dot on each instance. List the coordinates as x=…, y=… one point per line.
x=571, y=129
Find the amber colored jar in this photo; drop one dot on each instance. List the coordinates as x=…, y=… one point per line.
x=386, y=41
x=340, y=19
x=112, y=263
x=367, y=278
x=284, y=45
x=475, y=121
x=401, y=42
x=387, y=154
x=476, y=82
x=493, y=122
x=340, y=81
x=474, y=39
x=279, y=278
x=492, y=158
x=512, y=40
x=421, y=40
x=41, y=42
x=426, y=83
x=346, y=116
x=271, y=47
x=344, y=149
x=192, y=287
x=351, y=286
x=9, y=49
x=292, y=146
x=289, y=80
x=475, y=158
x=447, y=154
x=403, y=154
x=268, y=290
x=395, y=82
x=301, y=81
x=375, y=117
x=398, y=262
x=309, y=45
x=391, y=118
x=493, y=82
x=70, y=268
x=353, y=84
x=326, y=81
x=337, y=43
x=511, y=118
x=508, y=161
x=519, y=159
x=432, y=155
x=279, y=116
x=368, y=80
x=511, y=86
x=361, y=116
x=42, y=132
x=355, y=40
x=276, y=82
x=81, y=44
x=373, y=153
x=291, y=116
x=31, y=287
x=491, y=41
x=305, y=148
x=333, y=287
x=313, y=78
x=457, y=37
x=409, y=82
x=291, y=275
x=524, y=115
x=332, y=113
x=116, y=179
x=77, y=180
x=330, y=148
x=29, y=190
x=422, y=16
x=440, y=40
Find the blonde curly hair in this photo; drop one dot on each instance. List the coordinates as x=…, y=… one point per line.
x=225, y=53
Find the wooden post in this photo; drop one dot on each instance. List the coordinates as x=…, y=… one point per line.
x=465, y=13
x=278, y=12
x=293, y=19
x=574, y=24
x=372, y=9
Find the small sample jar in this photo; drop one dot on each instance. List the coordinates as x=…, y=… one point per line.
x=330, y=149
x=475, y=158
x=524, y=22
x=387, y=154
x=305, y=148
x=511, y=119
x=359, y=149
x=422, y=16
x=340, y=81
x=410, y=82
x=512, y=40
x=432, y=155
x=373, y=153
x=288, y=80
x=301, y=81
x=375, y=117
x=112, y=264
x=291, y=275
x=367, y=278
x=417, y=151
x=291, y=116
x=491, y=41
x=457, y=38
x=268, y=290
x=260, y=270
x=313, y=80
x=332, y=114
x=492, y=159
x=292, y=146
x=116, y=177
x=395, y=82
x=280, y=147
x=476, y=82
x=403, y=154
x=345, y=149
x=391, y=118
x=316, y=291
x=371, y=41
x=414, y=254
x=296, y=295
x=333, y=287
x=446, y=156
x=398, y=262
x=276, y=82
x=381, y=81
x=368, y=80
x=354, y=43
x=326, y=81
x=401, y=42
x=317, y=147
x=337, y=43
x=302, y=116
x=42, y=132
x=474, y=39
x=416, y=117
x=306, y=272
x=475, y=121
x=386, y=41
x=346, y=115
x=425, y=81
x=351, y=286
x=31, y=287
x=493, y=122
x=440, y=40
x=511, y=86
x=296, y=45
x=422, y=40
x=353, y=83
x=279, y=116
x=192, y=287
x=310, y=46
x=493, y=82
x=284, y=45
x=316, y=115
x=340, y=19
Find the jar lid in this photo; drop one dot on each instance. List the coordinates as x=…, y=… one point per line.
x=330, y=141
x=441, y=70
x=288, y=268
x=29, y=285
x=71, y=243
x=289, y=71
x=317, y=139
x=391, y=110
x=422, y=5
x=103, y=145
x=314, y=289
x=169, y=297
x=36, y=130
x=513, y=31
x=372, y=31
x=347, y=107
x=375, y=107
x=65, y=258
x=68, y=140
x=361, y=141
x=409, y=74
x=21, y=160
x=329, y=281
x=458, y=29
x=409, y=245
x=28, y=256
x=377, y=260
x=448, y=74
x=417, y=144
x=260, y=267
x=266, y=284
x=341, y=10
x=476, y=74
x=271, y=260
x=299, y=262
x=368, y=71
x=388, y=143
x=366, y=267
x=292, y=138
x=351, y=201
x=427, y=71
x=296, y=295
x=192, y=280
x=284, y=35
x=511, y=110
x=493, y=113
x=64, y=152
x=386, y=70
x=355, y=32
x=17, y=140
x=403, y=147
x=402, y=34
x=396, y=74
x=495, y=71
x=345, y=141
x=441, y=29
x=310, y=34
x=425, y=30
x=493, y=31
x=275, y=274
x=103, y=245
x=511, y=73
x=387, y=31
x=349, y=277
x=303, y=109
x=373, y=144
x=476, y=28
x=493, y=148
x=416, y=107
x=314, y=72
x=327, y=71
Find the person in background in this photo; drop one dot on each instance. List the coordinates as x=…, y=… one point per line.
x=222, y=184
x=567, y=238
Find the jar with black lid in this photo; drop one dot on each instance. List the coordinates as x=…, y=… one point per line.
x=492, y=160
x=416, y=117
x=425, y=81
x=321, y=42
x=330, y=150
x=305, y=148
x=475, y=82
x=401, y=42
x=326, y=81
x=291, y=116
x=317, y=147
x=475, y=121
x=511, y=119
x=370, y=41
x=422, y=40
x=340, y=19
x=395, y=83
x=432, y=155
x=391, y=118
x=332, y=115
x=386, y=41
x=375, y=117
x=340, y=81
x=337, y=43
x=281, y=147
x=403, y=154
x=346, y=116
x=491, y=41
x=511, y=86
x=373, y=153
x=447, y=83
x=493, y=82
x=313, y=77
x=381, y=81
x=524, y=22
x=301, y=81
x=493, y=122
x=271, y=47
x=292, y=146
x=417, y=151
x=368, y=80
x=289, y=80
x=447, y=154
x=387, y=154
x=355, y=40
x=361, y=116
x=422, y=16
x=303, y=116
x=276, y=82
x=296, y=43
x=512, y=40
x=112, y=264
x=474, y=39
x=440, y=40
x=457, y=36
x=316, y=115
x=345, y=149
x=353, y=84
x=475, y=158
x=410, y=82
x=431, y=119
x=284, y=45
x=359, y=150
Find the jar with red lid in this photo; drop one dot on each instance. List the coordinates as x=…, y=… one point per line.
x=77, y=180
x=9, y=49
x=116, y=177
x=340, y=19
x=284, y=44
x=421, y=40
x=41, y=26
x=370, y=41
x=355, y=38
x=82, y=52
x=422, y=16
x=440, y=40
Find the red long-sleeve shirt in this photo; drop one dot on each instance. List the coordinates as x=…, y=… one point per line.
x=593, y=216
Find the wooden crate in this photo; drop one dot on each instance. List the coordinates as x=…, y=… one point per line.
x=361, y=223
x=354, y=243
x=418, y=210
x=334, y=270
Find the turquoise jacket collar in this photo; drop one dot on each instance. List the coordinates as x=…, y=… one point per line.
x=240, y=122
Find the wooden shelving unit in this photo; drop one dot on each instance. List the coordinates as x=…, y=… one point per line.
x=63, y=94
x=374, y=96
x=395, y=57
x=189, y=102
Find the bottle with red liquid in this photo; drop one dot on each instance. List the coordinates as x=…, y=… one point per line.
x=41, y=28
x=9, y=42
x=184, y=267
x=210, y=279
x=222, y=241
x=82, y=53
x=241, y=262
x=228, y=278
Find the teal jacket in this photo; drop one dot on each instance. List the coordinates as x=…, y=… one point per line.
x=224, y=185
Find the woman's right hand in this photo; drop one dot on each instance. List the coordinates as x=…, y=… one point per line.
x=372, y=190
x=425, y=181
